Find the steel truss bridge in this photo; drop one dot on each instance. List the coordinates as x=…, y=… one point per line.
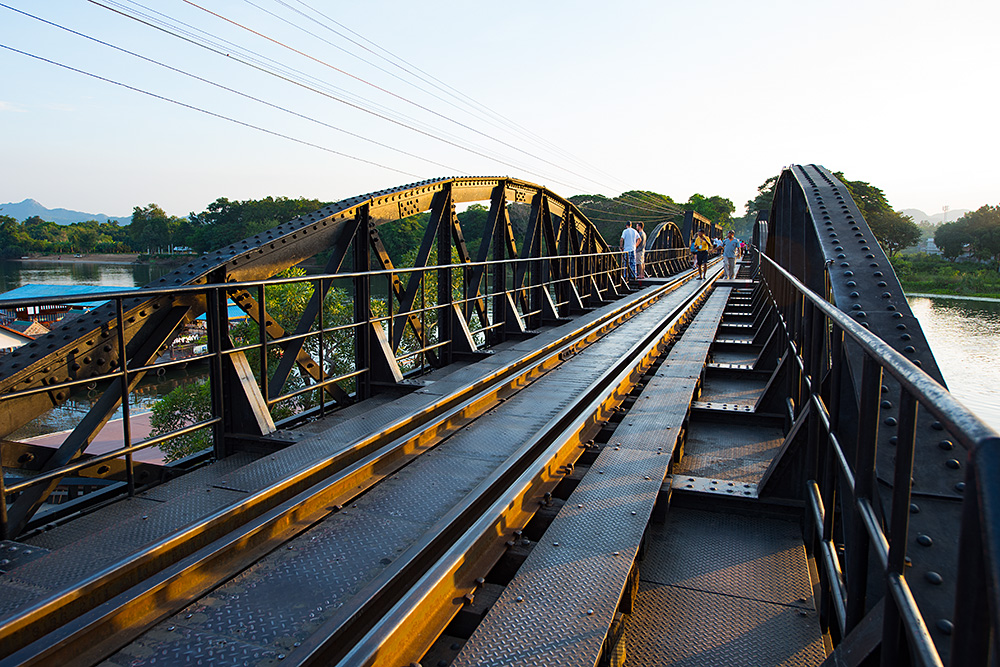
x=505, y=452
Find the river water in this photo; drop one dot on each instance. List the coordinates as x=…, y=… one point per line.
x=963, y=333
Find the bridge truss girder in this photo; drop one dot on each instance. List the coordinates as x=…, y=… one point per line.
x=44, y=373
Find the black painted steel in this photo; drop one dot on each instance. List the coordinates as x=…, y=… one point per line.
x=877, y=524
x=559, y=266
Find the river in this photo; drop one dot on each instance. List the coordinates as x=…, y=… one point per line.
x=964, y=333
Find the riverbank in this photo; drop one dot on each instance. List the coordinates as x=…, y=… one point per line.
x=92, y=258
x=932, y=274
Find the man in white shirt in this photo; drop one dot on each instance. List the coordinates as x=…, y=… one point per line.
x=627, y=244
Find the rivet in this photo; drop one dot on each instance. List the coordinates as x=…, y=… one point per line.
x=937, y=426
x=945, y=626
x=886, y=405
x=890, y=421
x=960, y=487
x=924, y=540
x=946, y=445
x=953, y=464
x=934, y=578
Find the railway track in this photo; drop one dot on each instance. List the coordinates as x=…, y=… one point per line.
x=149, y=604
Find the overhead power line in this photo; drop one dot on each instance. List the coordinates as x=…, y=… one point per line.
x=207, y=112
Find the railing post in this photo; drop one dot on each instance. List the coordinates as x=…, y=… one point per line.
x=893, y=635
x=864, y=479
x=362, y=307
x=265, y=379
x=123, y=383
x=214, y=322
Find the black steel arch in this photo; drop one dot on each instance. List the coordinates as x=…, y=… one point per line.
x=816, y=231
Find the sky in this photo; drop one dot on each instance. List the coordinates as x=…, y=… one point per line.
x=345, y=98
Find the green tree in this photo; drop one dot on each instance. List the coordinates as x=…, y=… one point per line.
x=151, y=228
x=893, y=230
x=717, y=209
x=185, y=405
x=225, y=221
x=984, y=228
x=952, y=237
x=84, y=236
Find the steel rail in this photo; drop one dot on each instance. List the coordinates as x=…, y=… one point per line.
x=412, y=604
x=114, y=603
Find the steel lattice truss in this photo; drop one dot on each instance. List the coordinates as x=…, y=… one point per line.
x=92, y=347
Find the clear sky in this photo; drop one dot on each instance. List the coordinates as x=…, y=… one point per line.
x=676, y=97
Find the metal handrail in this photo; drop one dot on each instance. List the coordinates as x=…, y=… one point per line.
x=215, y=293
x=811, y=321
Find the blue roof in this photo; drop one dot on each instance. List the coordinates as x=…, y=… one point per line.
x=37, y=291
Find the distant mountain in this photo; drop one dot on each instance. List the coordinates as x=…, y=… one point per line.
x=29, y=208
x=936, y=219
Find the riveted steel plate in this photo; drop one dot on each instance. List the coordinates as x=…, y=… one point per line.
x=107, y=517
x=496, y=436
x=204, y=477
x=282, y=598
x=609, y=508
x=561, y=602
x=548, y=615
x=125, y=527
x=16, y=594
x=676, y=626
x=715, y=486
x=425, y=490
x=15, y=554
x=752, y=557
x=721, y=407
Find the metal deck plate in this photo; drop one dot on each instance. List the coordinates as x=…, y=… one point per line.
x=736, y=631
x=718, y=589
x=561, y=602
x=733, y=452
x=741, y=390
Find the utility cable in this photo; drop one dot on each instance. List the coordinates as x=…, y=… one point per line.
x=207, y=112
x=385, y=90
x=231, y=90
x=335, y=98
x=420, y=74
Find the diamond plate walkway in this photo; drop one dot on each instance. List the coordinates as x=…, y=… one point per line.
x=561, y=604
x=722, y=589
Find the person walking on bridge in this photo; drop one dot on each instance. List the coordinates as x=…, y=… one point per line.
x=702, y=244
x=730, y=248
x=640, y=253
x=627, y=244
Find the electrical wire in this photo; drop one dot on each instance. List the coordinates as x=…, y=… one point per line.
x=359, y=107
x=386, y=91
x=230, y=90
x=206, y=111
x=429, y=79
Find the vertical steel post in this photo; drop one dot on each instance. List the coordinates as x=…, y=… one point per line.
x=262, y=343
x=864, y=481
x=893, y=634
x=123, y=382
x=362, y=307
x=213, y=320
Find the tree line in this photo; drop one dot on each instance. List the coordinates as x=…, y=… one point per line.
x=894, y=230
x=153, y=231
